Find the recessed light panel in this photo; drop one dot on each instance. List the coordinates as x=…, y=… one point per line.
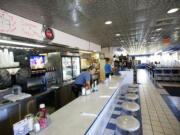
x=117, y=35
x=173, y=10
x=159, y=29
x=108, y=22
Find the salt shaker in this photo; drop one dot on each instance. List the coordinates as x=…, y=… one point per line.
x=36, y=126
x=30, y=120
x=83, y=91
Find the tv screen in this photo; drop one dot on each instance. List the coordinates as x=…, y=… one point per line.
x=37, y=62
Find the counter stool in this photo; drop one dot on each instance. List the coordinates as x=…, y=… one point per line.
x=132, y=90
x=127, y=125
x=131, y=97
x=133, y=86
x=130, y=108
x=124, y=89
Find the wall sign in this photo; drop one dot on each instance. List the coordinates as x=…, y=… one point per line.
x=12, y=24
x=30, y=29
x=48, y=34
x=7, y=22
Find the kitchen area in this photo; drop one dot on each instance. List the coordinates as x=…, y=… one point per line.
x=38, y=65
x=32, y=76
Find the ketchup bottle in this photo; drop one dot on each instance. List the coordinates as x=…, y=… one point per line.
x=42, y=110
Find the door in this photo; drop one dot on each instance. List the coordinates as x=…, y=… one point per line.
x=76, y=66
x=66, y=68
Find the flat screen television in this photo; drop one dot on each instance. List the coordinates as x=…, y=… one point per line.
x=37, y=62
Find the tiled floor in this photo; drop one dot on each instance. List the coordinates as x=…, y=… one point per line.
x=157, y=118
x=169, y=83
x=175, y=101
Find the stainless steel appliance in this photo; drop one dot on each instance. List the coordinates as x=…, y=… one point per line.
x=5, y=79
x=66, y=68
x=22, y=75
x=70, y=67
x=76, y=66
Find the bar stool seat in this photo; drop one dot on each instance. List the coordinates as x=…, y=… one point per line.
x=131, y=97
x=133, y=86
x=132, y=90
x=130, y=106
x=127, y=125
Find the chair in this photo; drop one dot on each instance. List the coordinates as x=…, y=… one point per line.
x=175, y=75
x=158, y=74
x=167, y=74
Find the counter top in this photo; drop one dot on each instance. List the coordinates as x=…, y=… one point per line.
x=10, y=103
x=50, y=89
x=76, y=117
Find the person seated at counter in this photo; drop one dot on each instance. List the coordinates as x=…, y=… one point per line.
x=108, y=68
x=83, y=80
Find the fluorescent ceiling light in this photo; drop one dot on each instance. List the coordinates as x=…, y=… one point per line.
x=108, y=22
x=173, y=10
x=177, y=28
x=14, y=47
x=159, y=29
x=20, y=43
x=77, y=24
x=117, y=35
x=84, y=52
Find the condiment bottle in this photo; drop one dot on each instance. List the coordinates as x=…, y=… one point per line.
x=42, y=110
x=110, y=77
x=36, y=126
x=83, y=91
x=96, y=89
x=30, y=119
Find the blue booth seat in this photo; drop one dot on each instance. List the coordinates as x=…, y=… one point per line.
x=157, y=71
x=167, y=74
x=167, y=71
x=175, y=71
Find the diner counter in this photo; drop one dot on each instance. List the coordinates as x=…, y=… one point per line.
x=12, y=112
x=78, y=116
x=38, y=94
x=10, y=103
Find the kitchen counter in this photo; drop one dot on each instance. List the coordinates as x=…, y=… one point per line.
x=50, y=89
x=54, y=97
x=10, y=103
x=76, y=117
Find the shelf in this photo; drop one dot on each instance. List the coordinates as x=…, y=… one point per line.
x=9, y=67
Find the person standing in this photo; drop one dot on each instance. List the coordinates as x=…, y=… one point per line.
x=83, y=80
x=108, y=68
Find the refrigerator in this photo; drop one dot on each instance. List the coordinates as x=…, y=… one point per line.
x=70, y=67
